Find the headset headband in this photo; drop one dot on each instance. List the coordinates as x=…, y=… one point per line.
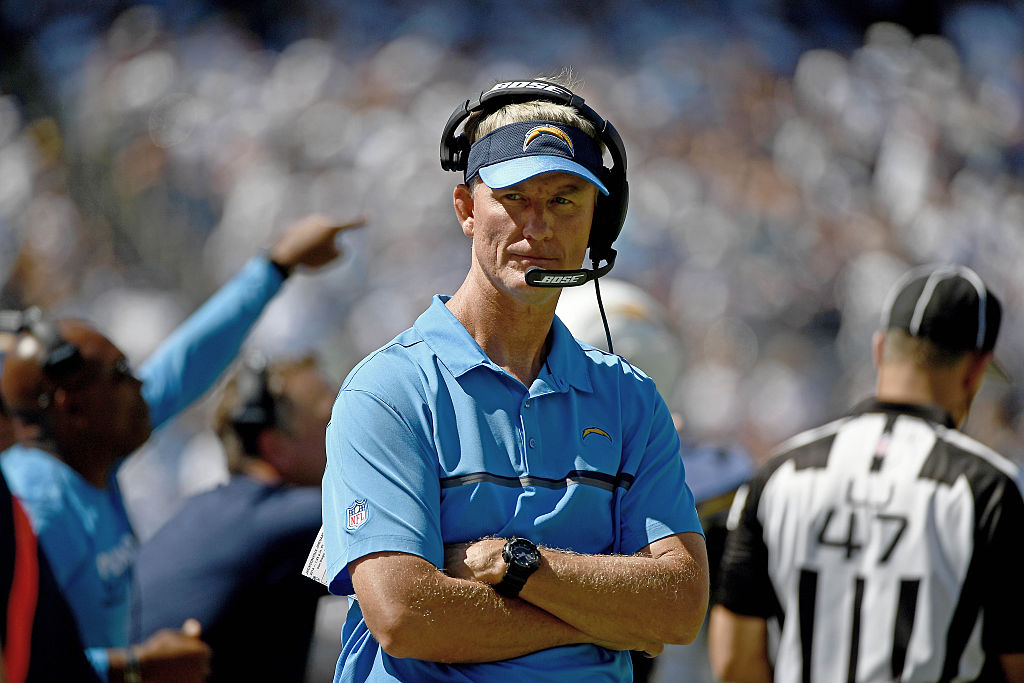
x=254, y=403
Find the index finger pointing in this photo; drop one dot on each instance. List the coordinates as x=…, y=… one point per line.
x=354, y=223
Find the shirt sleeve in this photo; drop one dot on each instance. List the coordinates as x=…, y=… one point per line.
x=744, y=585
x=191, y=359
x=659, y=502
x=39, y=481
x=1002, y=555
x=381, y=489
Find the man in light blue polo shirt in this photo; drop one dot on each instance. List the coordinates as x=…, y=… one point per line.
x=505, y=502
x=80, y=411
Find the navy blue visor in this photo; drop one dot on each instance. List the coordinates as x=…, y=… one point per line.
x=519, y=151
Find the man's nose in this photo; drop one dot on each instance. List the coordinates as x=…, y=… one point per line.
x=537, y=221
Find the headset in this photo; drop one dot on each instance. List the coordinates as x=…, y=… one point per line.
x=256, y=407
x=61, y=358
x=610, y=212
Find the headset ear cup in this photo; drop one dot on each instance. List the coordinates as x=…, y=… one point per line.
x=621, y=206
x=254, y=404
x=460, y=153
x=609, y=215
x=455, y=153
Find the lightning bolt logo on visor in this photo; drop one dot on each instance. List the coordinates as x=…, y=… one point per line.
x=596, y=430
x=550, y=130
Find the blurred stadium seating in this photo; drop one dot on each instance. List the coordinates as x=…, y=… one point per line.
x=787, y=161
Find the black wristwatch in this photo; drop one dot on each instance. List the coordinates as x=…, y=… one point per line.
x=522, y=559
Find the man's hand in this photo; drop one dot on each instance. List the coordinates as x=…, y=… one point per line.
x=310, y=242
x=175, y=656
x=476, y=561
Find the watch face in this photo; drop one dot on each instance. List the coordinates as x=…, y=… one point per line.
x=521, y=554
x=524, y=554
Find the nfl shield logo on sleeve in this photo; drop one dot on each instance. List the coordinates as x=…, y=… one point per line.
x=357, y=514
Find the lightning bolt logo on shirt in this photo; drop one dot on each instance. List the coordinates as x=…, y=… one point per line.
x=534, y=133
x=596, y=430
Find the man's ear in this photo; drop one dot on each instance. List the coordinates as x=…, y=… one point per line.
x=463, y=201
x=976, y=371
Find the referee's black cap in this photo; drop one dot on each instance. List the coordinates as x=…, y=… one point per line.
x=949, y=305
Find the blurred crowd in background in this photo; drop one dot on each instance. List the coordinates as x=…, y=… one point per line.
x=787, y=161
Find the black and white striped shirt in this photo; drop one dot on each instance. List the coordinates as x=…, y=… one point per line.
x=883, y=546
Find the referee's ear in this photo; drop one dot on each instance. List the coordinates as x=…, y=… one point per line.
x=976, y=371
x=877, y=344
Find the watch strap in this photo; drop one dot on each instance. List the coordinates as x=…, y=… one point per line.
x=511, y=583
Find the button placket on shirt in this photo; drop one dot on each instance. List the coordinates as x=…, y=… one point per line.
x=528, y=422
x=529, y=418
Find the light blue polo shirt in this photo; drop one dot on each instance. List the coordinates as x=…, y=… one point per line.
x=84, y=530
x=431, y=443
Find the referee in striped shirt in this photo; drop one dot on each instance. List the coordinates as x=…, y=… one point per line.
x=886, y=545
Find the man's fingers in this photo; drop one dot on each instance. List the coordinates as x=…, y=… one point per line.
x=354, y=223
x=191, y=628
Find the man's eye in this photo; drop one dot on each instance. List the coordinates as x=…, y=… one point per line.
x=513, y=196
x=562, y=200
x=122, y=369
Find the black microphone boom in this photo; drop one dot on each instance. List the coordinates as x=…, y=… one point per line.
x=539, y=277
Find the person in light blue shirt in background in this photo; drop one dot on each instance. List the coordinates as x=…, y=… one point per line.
x=505, y=502
x=79, y=411
x=38, y=638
